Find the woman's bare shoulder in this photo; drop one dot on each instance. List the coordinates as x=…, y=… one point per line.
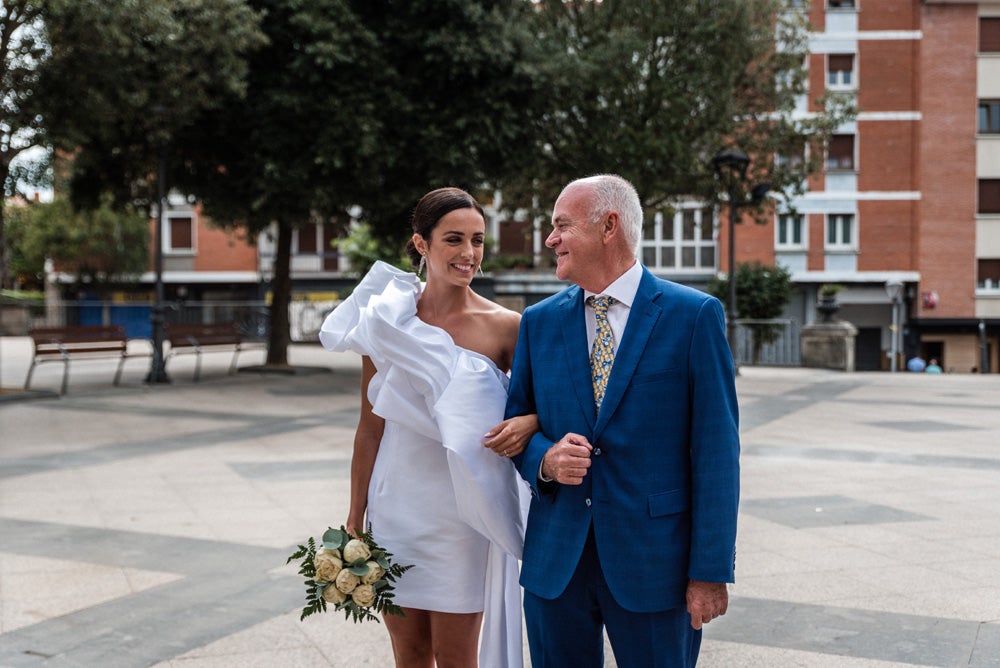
x=500, y=316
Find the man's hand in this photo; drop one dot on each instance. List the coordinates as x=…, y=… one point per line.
x=567, y=460
x=706, y=601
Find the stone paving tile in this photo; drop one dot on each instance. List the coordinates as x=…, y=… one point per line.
x=149, y=525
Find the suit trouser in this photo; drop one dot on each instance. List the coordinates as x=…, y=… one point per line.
x=567, y=632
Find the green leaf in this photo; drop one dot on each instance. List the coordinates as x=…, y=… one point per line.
x=334, y=539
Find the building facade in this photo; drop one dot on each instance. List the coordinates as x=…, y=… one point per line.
x=905, y=214
x=910, y=196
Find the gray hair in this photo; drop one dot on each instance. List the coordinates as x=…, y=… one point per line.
x=613, y=193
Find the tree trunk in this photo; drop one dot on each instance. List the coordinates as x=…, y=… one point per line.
x=3, y=247
x=281, y=294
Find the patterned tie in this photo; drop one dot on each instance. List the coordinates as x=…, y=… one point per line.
x=602, y=355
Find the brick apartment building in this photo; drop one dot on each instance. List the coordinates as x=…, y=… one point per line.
x=910, y=195
x=911, y=188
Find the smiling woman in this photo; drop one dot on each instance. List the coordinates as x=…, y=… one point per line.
x=431, y=475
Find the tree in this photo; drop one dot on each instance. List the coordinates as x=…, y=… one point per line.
x=22, y=51
x=762, y=293
x=367, y=104
x=100, y=246
x=123, y=79
x=652, y=89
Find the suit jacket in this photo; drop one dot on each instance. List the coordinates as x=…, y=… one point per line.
x=663, y=487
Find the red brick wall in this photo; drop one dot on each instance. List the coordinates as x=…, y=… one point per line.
x=947, y=161
x=817, y=79
x=887, y=154
x=223, y=250
x=886, y=77
x=816, y=256
x=215, y=249
x=886, y=235
x=888, y=14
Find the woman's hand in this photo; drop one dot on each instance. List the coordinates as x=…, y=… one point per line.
x=355, y=523
x=510, y=437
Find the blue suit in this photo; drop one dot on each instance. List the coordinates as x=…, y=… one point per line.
x=662, y=491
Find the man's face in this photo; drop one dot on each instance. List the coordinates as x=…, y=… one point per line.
x=575, y=239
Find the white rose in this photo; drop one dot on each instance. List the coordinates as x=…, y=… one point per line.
x=364, y=595
x=375, y=572
x=333, y=595
x=327, y=564
x=347, y=581
x=355, y=550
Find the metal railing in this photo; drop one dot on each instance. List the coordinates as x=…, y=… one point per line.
x=784, y=351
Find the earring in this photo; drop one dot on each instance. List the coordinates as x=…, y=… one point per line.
x=420, y=267
x=480, y=270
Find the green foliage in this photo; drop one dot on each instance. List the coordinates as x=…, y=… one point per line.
x=762, y=292
x=507, y=262
x=367, y=103
x=363, y=249
x=652, y=89
x=830, y=289
x=124, y=77
x=100, y=246
x=336, y=540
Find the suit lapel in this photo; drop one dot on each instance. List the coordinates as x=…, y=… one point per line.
x=641, y=320
x=577, y=357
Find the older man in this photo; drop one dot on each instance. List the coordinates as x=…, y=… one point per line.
x=635, y=469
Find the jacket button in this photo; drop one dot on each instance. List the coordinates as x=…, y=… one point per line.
x=587, y=502
x=597, y=452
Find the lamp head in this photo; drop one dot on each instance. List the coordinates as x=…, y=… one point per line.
x=759, y=192
x=893, y=289
x=735, y=162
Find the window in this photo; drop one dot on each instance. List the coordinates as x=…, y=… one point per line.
x=988, y=274
x=306, y=241
x=178, y=235
x=790, y=232
x=795, y=4
x=683, y=240
x=840, y=70
x=840, y=154
x=989, y=117
x=840, y=231
x=989, y=34
x=840, y=4
x=794, y=157
x=989, y=196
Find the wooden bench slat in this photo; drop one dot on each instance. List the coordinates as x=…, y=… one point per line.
x=193, y=337
x=52, y=344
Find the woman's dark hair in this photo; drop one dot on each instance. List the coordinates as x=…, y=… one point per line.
x=431, y=208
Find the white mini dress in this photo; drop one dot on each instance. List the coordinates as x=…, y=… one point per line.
x=438, y=499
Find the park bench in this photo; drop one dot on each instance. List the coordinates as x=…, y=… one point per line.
x=62, y=344
x=197, y=337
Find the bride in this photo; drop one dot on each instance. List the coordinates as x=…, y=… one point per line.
x=430, y=472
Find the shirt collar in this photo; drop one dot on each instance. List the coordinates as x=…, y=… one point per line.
x=624, y=287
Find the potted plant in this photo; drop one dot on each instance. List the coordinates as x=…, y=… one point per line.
x=828, y=304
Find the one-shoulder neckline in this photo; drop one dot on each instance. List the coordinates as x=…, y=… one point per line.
x=444, y=331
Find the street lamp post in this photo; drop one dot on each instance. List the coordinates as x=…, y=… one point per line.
x=894, y=289
x=158, y=370
x=731, y=169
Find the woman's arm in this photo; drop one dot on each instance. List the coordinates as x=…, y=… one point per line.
x=366, y=442
x=511, y=436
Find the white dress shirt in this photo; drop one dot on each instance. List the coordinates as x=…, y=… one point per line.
x=623, y=289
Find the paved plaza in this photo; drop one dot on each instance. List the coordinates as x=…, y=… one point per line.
x=149, y=525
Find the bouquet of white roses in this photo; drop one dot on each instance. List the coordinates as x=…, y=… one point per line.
x=353, y=574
